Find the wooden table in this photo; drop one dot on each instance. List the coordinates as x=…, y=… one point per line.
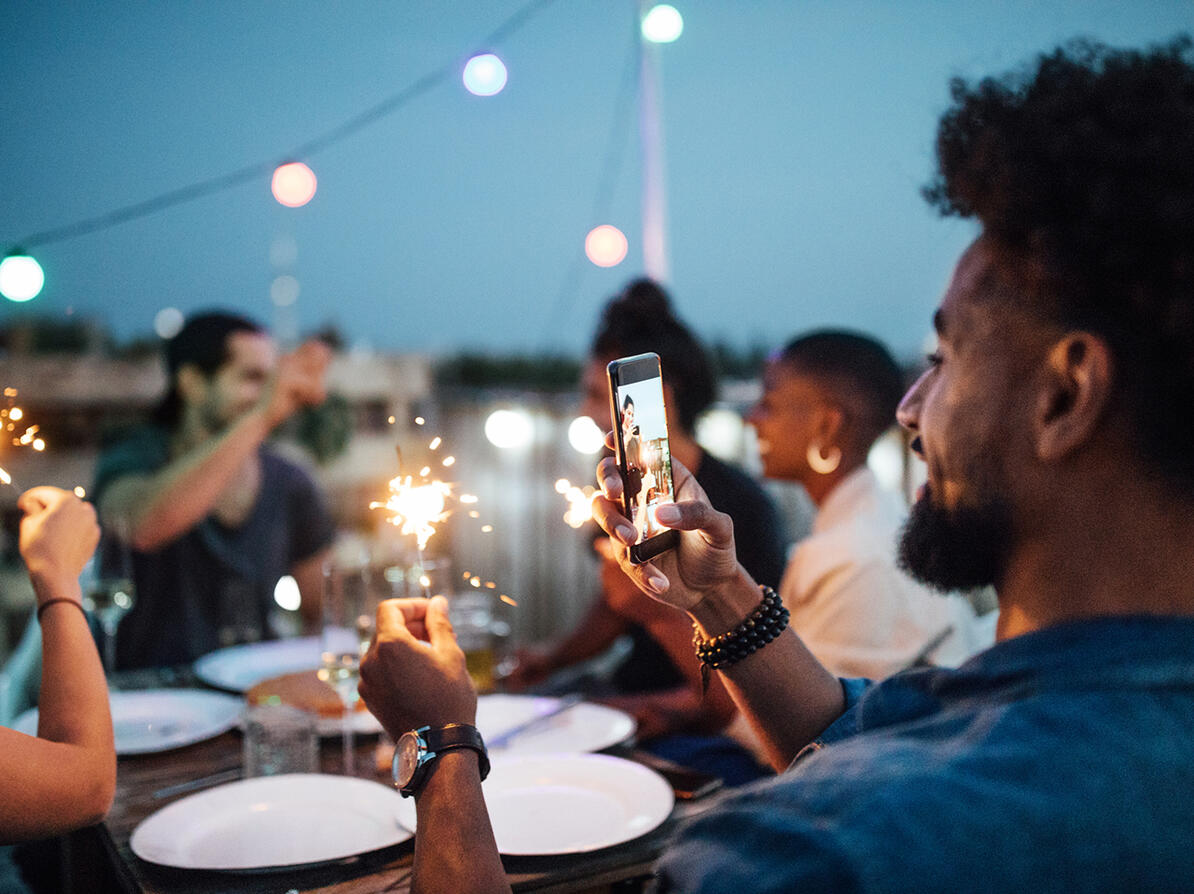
x=99, y=858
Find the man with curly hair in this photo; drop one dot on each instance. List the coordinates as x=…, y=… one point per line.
x=1056, y=426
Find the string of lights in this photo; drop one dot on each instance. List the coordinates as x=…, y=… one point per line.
x=294, y=184
x=352, y=126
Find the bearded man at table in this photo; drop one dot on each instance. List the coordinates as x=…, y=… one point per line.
x=1056, y=427
x=213, y=517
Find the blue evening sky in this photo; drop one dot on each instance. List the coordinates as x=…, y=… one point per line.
x=797, y=135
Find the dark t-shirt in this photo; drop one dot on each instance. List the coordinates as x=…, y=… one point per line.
x=759, y=540
x=214, y=585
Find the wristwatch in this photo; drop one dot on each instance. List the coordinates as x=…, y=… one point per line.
x=418, y=748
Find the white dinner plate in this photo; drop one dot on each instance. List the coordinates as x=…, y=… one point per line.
x=583, y=727
x=239, y=668
x=272, y=822
x=151, y=720
x=568, y=803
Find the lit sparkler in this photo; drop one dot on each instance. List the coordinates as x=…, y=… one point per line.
x=13, y=426
x=418, y=503
x=580, y=502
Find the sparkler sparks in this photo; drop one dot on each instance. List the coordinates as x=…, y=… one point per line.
x=418, y=503
x=417, y=506
x=20, y=435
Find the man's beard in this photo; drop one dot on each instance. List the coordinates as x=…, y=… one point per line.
x=956, y=549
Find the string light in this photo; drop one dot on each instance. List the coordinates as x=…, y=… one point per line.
x=252, y=172
x=663, y=24
x=606, y=246
x=484, y=75
x=293, y=184
x=21, y=277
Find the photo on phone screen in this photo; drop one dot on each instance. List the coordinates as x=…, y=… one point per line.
x=639, y=418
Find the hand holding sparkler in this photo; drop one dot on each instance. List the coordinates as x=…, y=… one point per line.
x=58, y=535
x=414, y=672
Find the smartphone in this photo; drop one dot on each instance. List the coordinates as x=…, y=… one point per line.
x=644, y=459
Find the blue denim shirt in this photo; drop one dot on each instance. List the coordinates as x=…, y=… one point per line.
x=1061, y=760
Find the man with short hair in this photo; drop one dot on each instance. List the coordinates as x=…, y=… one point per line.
x=212, y=516
x=1056, y=427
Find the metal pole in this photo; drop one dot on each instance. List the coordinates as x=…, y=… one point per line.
x=655, y=255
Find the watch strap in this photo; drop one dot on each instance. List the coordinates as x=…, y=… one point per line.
x=458, y=735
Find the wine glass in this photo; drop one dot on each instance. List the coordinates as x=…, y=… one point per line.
x=348, y=622
x=108, y=593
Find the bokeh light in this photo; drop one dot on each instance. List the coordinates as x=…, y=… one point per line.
x=284, y=290
x=21, y=277
x=585, y=435
x=484, y=75
x=167, y=322
x=293, y=184
x=509, y=429
x=605, y=246
x=283, y=252
x=663, y=24
x=886, y=460
x=287, y=594
x=720, y=431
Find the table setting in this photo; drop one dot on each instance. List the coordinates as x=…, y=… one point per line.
x=570, y=812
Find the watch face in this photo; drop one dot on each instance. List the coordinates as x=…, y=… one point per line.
x=406, y=758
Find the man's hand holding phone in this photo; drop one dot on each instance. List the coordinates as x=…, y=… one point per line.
x=704, y=558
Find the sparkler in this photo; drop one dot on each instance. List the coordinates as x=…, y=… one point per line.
x=418, y=503
x=14, y=428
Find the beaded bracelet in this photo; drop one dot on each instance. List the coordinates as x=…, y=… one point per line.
x=75, y=602
x=760, y=627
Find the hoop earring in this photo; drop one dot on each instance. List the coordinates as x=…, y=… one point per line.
x=823, y=465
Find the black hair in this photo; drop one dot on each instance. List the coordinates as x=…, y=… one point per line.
x=629, y=402
x=858, y=370
x=203, y=343
x=1081, y=170
x=640, y=319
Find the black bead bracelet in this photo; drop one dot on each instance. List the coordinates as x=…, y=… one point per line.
x=761, y=626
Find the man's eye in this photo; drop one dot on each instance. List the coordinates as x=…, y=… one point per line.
x=935, y=358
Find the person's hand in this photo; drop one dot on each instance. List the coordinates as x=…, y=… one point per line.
x=703, y=559
x=58, y=533
x=414, y=672
x=298, y=381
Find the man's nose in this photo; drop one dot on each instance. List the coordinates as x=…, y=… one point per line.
x=908, y=412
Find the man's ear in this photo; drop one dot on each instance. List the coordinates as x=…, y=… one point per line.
x=1075, y=392
x=192, y=383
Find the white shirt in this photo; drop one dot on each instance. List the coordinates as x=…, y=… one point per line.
x=850, y=603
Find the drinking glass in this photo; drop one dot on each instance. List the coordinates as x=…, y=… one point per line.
x=279, y=739
x=348, y=622
x=108, y=593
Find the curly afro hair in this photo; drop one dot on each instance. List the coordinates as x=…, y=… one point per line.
x=1081, y=169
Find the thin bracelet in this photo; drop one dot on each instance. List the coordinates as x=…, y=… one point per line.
x=760, y=627
x=75, y=602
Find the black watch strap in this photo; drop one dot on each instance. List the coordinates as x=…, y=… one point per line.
x=458, y=735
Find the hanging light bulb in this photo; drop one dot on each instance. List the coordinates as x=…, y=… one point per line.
x=663, y=24
x=293, y=184
x=21, y=277
x=485, y=75
x=605, y=246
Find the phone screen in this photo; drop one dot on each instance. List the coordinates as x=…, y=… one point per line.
x=644, y=458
